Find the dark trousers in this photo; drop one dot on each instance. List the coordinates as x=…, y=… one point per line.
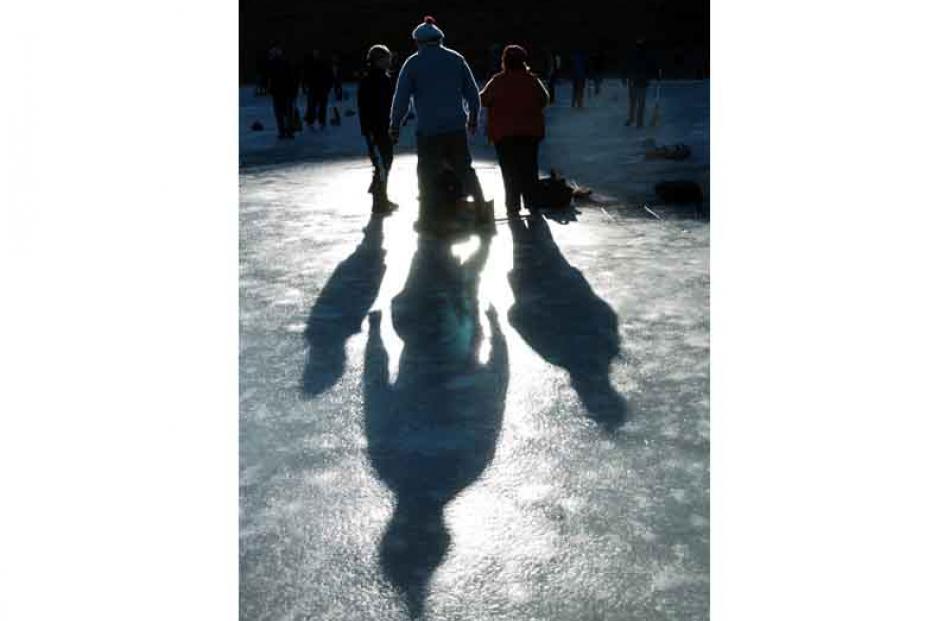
x=284, y=114
x=435, y=154
x=381, y=153
x=552, y=86
x=518, y=158
x=317, y=106
x=638, y=96
x=577, y=97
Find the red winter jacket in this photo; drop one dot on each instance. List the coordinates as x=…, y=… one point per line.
x=515, y=100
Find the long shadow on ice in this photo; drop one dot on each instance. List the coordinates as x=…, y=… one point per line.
x=559, y=316
x=432, y=432
x=340, y=309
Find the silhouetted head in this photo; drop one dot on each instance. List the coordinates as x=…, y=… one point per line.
x=427, y=33
x=326, y=360
x=514, y=58
x=316, y=54
x=413, y=546
x=379, y=56
x=602, y=402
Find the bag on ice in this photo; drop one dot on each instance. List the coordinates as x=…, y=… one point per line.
x=553, y=192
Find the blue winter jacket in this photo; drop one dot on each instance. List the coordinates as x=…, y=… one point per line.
x=438, y=80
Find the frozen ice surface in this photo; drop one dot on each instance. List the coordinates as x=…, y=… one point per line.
x=509, y=428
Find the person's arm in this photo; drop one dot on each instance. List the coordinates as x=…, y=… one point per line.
x=470, y=94
x=404, y=88
x=498, y=358
x=377, y=391
x=488, y=93
x=543, y=92
x=363, y=105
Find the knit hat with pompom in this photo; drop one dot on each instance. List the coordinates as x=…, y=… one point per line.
x=427, y=31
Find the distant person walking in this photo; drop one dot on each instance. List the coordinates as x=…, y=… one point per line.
x=515, y=100
x=579, y=74
x=337, y=72
x=374, y=100
x=440, y=84
x=317, y=80
x=640, y=68
x=598, y=63
x=282, y=86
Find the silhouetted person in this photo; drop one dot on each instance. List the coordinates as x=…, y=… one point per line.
x=598, y=63
x=559, y=316
x=261, y=62
x=336, y=69
x=374, y=99
x=579, y=77
x=318, y=80
x=433, y=432
x=555, y=75
x=515, y=100
x=640, y=68
x=282, y=85
x=340, y=308
x=439, y=82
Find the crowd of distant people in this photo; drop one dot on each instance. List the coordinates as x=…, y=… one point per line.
x=437, y=86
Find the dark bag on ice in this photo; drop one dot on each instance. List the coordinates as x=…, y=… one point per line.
x=552, y=193
x=679, y=192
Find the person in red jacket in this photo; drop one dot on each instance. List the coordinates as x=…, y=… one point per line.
x=515, y=100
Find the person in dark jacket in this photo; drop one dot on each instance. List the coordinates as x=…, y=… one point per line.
x=639, y=70
x=598, y=63
x=336, y=69
x=317, y=79
x=374, y=99
x=282, y=86
x=556, y=71
x=515, y=100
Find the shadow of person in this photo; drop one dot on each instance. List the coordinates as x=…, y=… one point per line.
x=340, y=308
x=433, y=431
x=559, y=316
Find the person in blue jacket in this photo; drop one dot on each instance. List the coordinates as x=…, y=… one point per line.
x=445, y=97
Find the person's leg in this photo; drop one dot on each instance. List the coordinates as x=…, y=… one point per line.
x=460, y=159
x=311, y=115
x=322, y=98
x=503, y=148
x=529, y=171
x=385, y=147
x=631, y=101
x=641, y=103
x=428, y=165
x=580, y=99
x=279, y=115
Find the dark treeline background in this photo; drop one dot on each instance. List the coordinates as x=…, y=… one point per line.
x=677, y=30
